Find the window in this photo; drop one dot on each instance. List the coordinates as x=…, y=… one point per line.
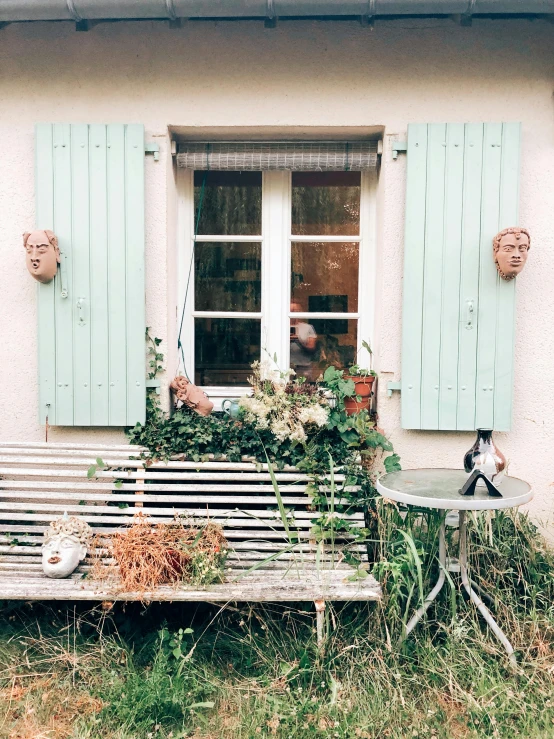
x=281, y=265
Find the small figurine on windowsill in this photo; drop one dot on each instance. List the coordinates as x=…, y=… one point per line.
x=191, y=395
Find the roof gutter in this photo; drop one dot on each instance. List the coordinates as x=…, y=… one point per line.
x=80, y=11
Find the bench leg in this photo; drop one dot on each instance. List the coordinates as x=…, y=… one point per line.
x=320, y=620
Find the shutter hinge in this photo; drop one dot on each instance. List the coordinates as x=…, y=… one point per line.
x=393, y=386
x=399, y=147
x=151, y=148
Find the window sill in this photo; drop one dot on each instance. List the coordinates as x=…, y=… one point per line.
x=218, y=394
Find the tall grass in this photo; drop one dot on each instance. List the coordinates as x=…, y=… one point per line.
x=249, y=671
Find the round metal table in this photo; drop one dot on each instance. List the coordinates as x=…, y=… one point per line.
x=439, y=488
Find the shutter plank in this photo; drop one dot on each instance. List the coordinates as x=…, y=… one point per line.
x=45, y=293
x=135, y=309
x=99, y=276
x=469, y=287
x=80, y=248
x=432, y=276
x=450, y=313
x=488, y=276
x=506, y=296
x=117, y=339
x=63, y=226
x=414, y=250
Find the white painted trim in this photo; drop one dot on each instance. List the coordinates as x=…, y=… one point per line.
x=367, y=284
x=224, y=314
x=275, y=268
x=319, y=239
x=185, y=244
x=229, y=239
x=218, y=393
x=320, y=314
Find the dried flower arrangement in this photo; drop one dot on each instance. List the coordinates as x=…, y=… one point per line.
x=285, y=406
x=146, y=554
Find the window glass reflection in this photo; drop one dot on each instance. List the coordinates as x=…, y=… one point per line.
x=317, y=343
x=227, y=276
x=324, y=276
x=326, y=203
x=224, y=350
x=232, y=203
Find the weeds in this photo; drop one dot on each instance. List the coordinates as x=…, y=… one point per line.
x=255, y=671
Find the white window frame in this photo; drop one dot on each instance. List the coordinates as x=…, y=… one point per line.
x=276, y=242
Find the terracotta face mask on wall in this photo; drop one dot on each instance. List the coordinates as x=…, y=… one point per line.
x=43, y=254
x=511, y=248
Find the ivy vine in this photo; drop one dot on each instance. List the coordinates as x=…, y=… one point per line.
x=187, y=434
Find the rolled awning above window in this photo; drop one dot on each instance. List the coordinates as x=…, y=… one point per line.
x=306, y=156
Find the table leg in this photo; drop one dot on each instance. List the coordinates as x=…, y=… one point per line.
x=495, y=628
x=436, y=590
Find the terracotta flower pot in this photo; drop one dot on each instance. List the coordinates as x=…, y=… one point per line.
x=363, y=387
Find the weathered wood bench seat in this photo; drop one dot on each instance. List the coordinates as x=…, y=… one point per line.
x=40, y=481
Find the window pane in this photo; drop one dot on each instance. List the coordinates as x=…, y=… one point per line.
x=324, y=277
x=224, y=350
x=315, y=344
x=227, y=276
x=232, y=203
x=326, y=203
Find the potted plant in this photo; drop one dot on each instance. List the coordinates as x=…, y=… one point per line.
x=363, y=380
x=358, y=430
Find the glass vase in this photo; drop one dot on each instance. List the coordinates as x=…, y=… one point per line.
x=485, y=456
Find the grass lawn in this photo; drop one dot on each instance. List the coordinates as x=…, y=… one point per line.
x=167, y=670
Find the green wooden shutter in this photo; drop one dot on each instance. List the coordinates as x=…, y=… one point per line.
x=90, y=192
x=458, y=315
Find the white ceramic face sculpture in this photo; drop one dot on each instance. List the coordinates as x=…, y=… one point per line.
x=65, y=546
x=61, y=555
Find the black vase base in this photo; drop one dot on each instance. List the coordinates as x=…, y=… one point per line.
x=471, y=484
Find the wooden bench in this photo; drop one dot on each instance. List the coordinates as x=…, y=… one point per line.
x=39, y=481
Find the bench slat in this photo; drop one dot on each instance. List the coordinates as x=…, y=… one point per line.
x=52, y=445
x=163, y=498
x=96, y=510
x=166, y=487
x=230, y=534
x=325, y=585
x=264, y=547
x=147, y=474
x=273, y=524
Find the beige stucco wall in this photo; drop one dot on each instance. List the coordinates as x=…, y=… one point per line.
x=299, y=74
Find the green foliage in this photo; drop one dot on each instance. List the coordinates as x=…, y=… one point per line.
x=356, y=371
x=186, y=432
x=392, y=463
x=155, y=357
x=357, y=431
x=164, y=694
x=93, y=469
